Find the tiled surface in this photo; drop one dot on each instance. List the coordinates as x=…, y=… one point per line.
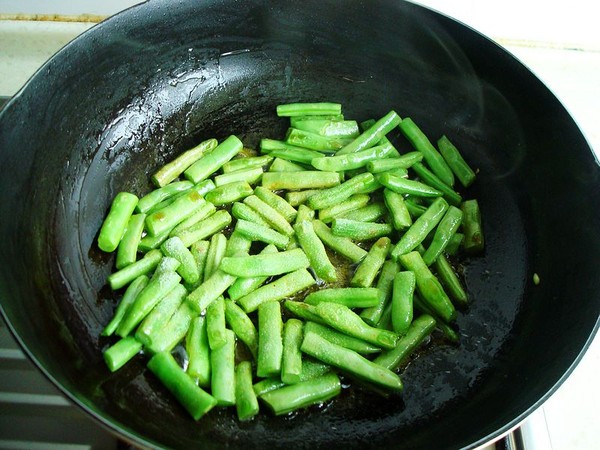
x=559, y=43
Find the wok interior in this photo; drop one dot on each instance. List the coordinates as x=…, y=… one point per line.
x=150, y=83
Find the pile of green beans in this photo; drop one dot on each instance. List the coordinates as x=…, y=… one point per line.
x=327, y=256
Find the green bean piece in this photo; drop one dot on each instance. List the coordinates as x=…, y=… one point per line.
x=166, y=202
x=243, y=286
x=256, y=232
x=246, y=163
x=159, y=285
x=334, y=195
x=384, y=140
x=160, y=315
x=344, y=246
x=246, y=403
x=129, y=296
x=299, y=197
x=270, y=340
x=215, y=323
x=369, y=267
x=122, y=351
x=209, y=291
x=282, y=165
x=351, y=297
x=415, y=209
x=398, y=210
x=310, y=369
x=291, y=360
x=171, y=215
x=304, y=311
x=188, y=269
x=304, y=214
x=295, y=154
x=316, y=142
x=222, y=364
x=250, y=176
x=150, y=200
x=403, y=162
x=444, y=231
x=127, y=249
x=267, y=385
x=199, y=250
x=229, y=193
x=473, y=242
x=404, y=186
x=402, y=302
x=350, y=161
x=457, y=164
x=429, y=287
x=266, y=264
x=369, y=213
x=196, y=401
x=373, y=135
x=276, y=202
x=286, y=286
x=330, y=117
x=349, y=361
x=211, y=162
x=242, y=211
x=301, y=395
x=451, y=282
x=359, y=231
x=338, y=338
x=172, y=170
x=329, y=128
x=150, y=242
x=432, y=180
x=421, y=227
x=115, y=223
x=454, y=244
x=347, y=321
x=354, y=202
x=237, y=243
x=306, y=179
x=174, y=331
x=309, y=109
x=385, y=322
x=422, y=144
x=198, y=350
x=315, y=251
x=446, y=329
x=204, y=211
x=205, y=228
x=242, y=326
x=277, y=221
x=384, y=285
x=216, y=252
x=418, y=331
x=167, y=264
x=121, y=278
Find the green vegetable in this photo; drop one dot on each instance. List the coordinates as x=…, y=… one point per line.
x=242, y=326
x=246, y=403
x=188, y=269
x=222, y=363
x=243, y=286
x=270, y=340
x=334, y=195
x=404, y=186
x=256, y=232
x=150, y=200
x=450, y=281
x=444, y=231
x=281, y=165
x=309, y=109
x=211, y=162
x=277, y=203
x=291, y=362
x=196, y=401
x=122, y=351
x=215, y=323
x=369, y=267
x=172, y=170
x=313, y=141
x=402, y=302
x=205, y=228
x=116, y=221
x=349, y=161
x=399, y=212
x=430, y=179
x=198, y=350
x=229, y=193
x=338, y=338
x=209, y=291
x=343, y=245
x=304, y=179
x=373, y=135
x=454, y=159
x=127, y=249
x=204, y=211
x=369, y=213
x=250, y=176
x=403, y=162
x=384, y=285
x=352, y=203
x=238, y=164
x=328, y=127
x=315, y=251
x=216, y=252
x=351, y=297
x=360, y=231
x=266, y=264
x=473, y=242
x=128, y=298
x=242, y=211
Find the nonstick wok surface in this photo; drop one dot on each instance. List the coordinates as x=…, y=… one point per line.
x=136, y=90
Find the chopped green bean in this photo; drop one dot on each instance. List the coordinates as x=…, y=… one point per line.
x=205, y=228
x=349, y=161
x=384, y=285
x=349, y=361
x=306, y=179
x=275, y=219
x=222, y=364
x=276, y=202
x=246, y=403
x=241, y=211
x=295, y=154
x=373, y=135
x=229, y=193
x=198, y=350
x=454, y=159
x=172, y=170
x=283, y=287
x=215, y=323
x=204, y=211
x=398, y=210
x=352, y=203
x=266, y=264
x=454, y=244
x=127, y=249
x=188, y=269
x=242, y=326
x=304, y=311
x=291, y=361
x=344, y=246
x=210, y=290
x=313, y=141
x=444, y=231
x=351, y=297
x=243, y=286
x=369, y=213
x=328, y=127
x=149, y=201
x=300, y=395
x=360, y=231
x=142, y=266
x=216, y=252
x=270, y=340
x=451, y=282
x=256, y=232
x=129, y=296
x=309, y=109
x=304, y=214
x=282, y=165
x=342, y=339
x=315, y=251
x=334, y=195
x=211, y=162
x=122, y=351
x=246, y=163
x=173, y=214
x=115, y=223
x=369, y=267
x=473, y=241
x=421, y=227
x=402, y=302
x=404, y=186
x=299, y=197
x=250, y=176
x=432, y=180
x=403, y=162
x=237, y=244
x=174, y=331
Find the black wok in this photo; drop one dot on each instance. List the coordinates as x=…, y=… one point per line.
x=125, y=97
